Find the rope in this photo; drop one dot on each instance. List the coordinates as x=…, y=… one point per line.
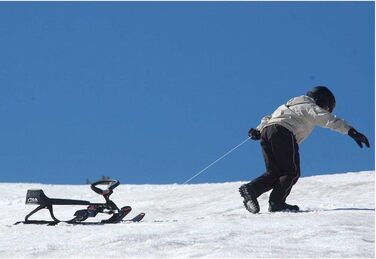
x=217, y=160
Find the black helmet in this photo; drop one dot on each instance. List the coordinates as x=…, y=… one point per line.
x=323, y=97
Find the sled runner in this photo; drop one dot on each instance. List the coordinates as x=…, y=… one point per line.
x=109, y=207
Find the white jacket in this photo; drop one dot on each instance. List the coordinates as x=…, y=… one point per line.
x=300, y=115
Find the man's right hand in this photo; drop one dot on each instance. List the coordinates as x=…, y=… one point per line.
x=254, y=134
x=358, y=137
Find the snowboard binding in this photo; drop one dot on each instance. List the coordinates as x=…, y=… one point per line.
x=109, y=207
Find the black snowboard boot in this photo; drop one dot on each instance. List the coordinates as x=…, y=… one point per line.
x=250, y=200
x=275, y=207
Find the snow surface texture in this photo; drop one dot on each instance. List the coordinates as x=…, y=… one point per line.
x=201, y=220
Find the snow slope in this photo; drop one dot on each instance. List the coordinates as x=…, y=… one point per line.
x=202, y=220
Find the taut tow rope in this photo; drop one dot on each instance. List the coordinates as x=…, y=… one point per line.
x=217, y=160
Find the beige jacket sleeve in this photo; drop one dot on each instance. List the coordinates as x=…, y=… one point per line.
x=264, y=121
x=328, y=120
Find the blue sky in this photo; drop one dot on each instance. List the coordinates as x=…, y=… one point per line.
x=153, y=92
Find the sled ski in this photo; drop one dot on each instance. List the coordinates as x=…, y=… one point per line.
x=38, y=197
x=138, y=218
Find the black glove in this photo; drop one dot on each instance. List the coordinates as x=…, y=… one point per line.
x=358, y=137
x=254, y=134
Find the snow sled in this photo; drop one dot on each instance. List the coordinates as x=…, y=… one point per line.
x=38, y=197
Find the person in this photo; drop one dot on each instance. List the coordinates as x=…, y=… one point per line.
x=279, y=136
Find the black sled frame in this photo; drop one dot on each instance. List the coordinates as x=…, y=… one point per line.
x=109, y=207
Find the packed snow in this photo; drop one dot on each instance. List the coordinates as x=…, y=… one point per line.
x=200, y=220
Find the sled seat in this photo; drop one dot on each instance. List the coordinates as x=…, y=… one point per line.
x=38, y=197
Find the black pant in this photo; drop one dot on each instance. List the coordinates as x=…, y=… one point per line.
x=281, y=155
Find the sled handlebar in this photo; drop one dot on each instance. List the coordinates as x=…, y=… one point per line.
x=112, y=184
